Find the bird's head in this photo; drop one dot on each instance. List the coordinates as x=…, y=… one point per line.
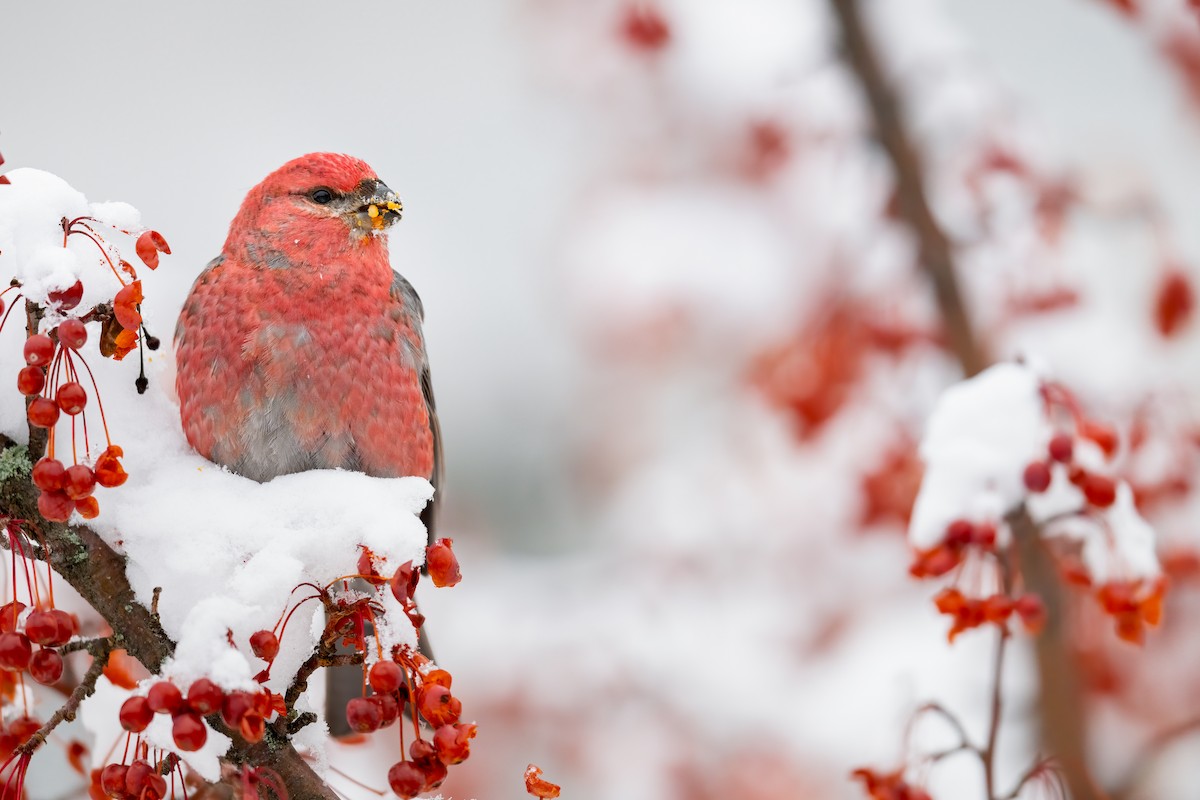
x=321, y=199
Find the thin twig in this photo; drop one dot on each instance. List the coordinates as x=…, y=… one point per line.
x=66, y=713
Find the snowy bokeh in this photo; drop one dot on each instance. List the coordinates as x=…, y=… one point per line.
x=683, y=356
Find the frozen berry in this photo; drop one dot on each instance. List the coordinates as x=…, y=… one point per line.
x=188, y=731
x=49, y=474
x=442, y=563
x=1100, y=490
x=265, y=645
x=406, y=779
x=205, y=697
x=164, y=697
x=385, y=677
x=72, y=333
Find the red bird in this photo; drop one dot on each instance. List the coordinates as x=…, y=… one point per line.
x=299, y=347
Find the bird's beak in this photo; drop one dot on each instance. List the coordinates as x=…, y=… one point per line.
x=377, y=207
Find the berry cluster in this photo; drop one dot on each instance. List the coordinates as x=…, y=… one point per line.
x=143, y=778
x=52, y=379
x=244, y=712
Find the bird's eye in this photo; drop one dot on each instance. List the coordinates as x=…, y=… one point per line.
x=321, y=196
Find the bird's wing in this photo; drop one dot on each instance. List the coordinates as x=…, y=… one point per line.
x=404, y=293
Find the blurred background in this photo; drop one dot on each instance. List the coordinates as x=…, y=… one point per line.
x=682, y=347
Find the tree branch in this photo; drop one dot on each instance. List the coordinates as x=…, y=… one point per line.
x=934, y=251
x=66, y=713
x=97, y=573
x=1060, y=706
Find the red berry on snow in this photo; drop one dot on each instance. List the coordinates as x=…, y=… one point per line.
x=164, y=697
x=68, y=298
x=265, y=645
x=188, y=731
x=385, y=677
x=205, y=697
x=136, y=714
x=88, y=507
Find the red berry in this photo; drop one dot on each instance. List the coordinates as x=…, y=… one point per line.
x=235, y=707
x=31, y=381
x=1037, y=477
x=385, y=677
x=109, y=472
x=645, y=28
x=68, y=298
x=442, y=564
x=265, y=645
x=39, y=350
x=8, y=616
x=68, y=626
x=136, y=714
x=41, y=627
x=88, y=507
x=55, y=506
x=164, y=697
x=112, y=779
x=406, y=779
x=43, y=412
x=15, y=652
x=46, y=666
x=1062, y=448
x=389, y=709
x=959, y=532
x=49, y=474
x=437, y=705
x=188, y=731
x=1100, y=490
x=435, y=772
x=136, y=777
x=452, y=743
x=72, y=333
x=205, y=697
x=71, y=398
x=81, y=482
x=363, y=715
